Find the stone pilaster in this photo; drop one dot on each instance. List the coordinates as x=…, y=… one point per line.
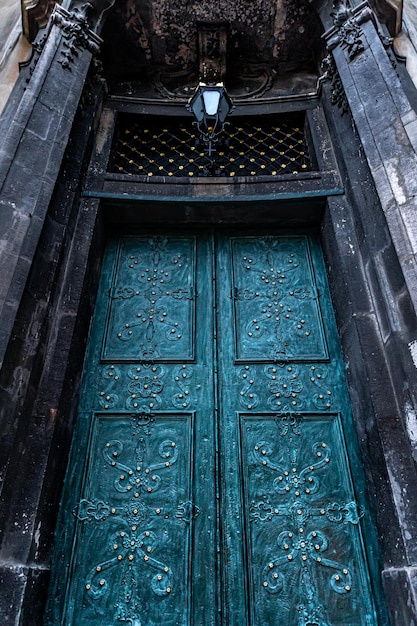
x=34, y=138
x=362, y=76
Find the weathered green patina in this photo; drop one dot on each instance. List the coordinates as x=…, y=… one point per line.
x=210, y=480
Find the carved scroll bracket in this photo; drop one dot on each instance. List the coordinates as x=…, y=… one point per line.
x=77, y=33
x=347, y=31
x=337, y=93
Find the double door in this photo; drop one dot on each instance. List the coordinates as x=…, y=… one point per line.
x=210, y=480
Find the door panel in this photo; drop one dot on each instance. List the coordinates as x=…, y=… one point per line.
x=304, y=546
x=152, y=306
x=209, y=481
x=276, y=312
x=134, y=521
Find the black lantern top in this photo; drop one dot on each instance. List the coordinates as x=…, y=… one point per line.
x=210, y=105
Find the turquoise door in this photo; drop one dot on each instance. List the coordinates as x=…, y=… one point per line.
x=211, y=476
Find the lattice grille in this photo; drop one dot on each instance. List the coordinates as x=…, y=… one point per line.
x=268, y=146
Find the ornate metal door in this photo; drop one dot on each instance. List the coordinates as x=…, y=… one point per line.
x=209, y=479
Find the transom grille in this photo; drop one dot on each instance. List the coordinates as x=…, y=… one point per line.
x=267, y=146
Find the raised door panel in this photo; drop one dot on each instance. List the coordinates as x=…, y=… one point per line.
x=151, y=316
x=132, y=557
x=305, y=551
x=276, y=311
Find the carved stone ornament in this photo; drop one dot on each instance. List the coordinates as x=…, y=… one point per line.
x=337, y=93
x=76, y=33
x=347, y=31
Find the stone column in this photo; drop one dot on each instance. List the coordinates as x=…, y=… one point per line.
x=34, y=135
x=36, y=126
x=364, y=80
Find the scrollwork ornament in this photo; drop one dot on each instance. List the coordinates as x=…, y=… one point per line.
x=145, y=387
x=76, y=31
x=247, y=397
x=337, y=93
x=110, y=375
x=132, y=543
x=347, y=31
x=181, y=399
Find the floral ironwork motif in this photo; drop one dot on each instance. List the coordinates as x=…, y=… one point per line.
x=350, y=33
x=110, y=375
x=132, y=543
x=149, y=301
x=181, y=400
x=247, y=397
x=145, y=386
x=337, y=92
x=291, y=386
x=347, y=29
x=278, y=306
x=305, y=543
